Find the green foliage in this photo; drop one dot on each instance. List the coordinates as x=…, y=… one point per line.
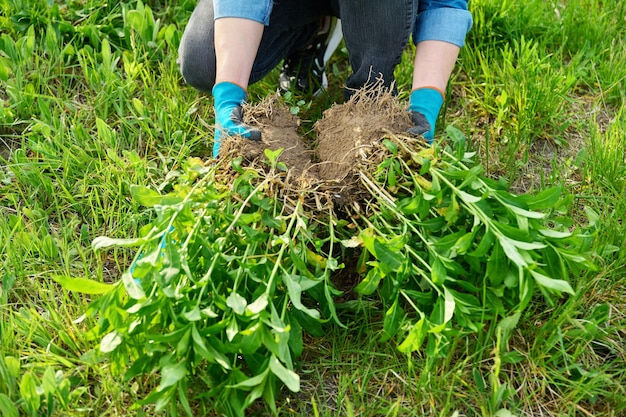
x=32, y=391
x=92, y=102
x=523, y=110
x=459, y=249
x=216, y=291
x=224, y=285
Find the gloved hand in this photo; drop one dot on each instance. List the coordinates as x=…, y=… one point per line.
x=227, y=100
x=424, y=105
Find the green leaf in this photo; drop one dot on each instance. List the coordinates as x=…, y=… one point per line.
x=464, y=243
x=433, y=225
x=28, y=390
x=391, y=147
x=192, y=315
x=511, y=252
x=295, y=293
x=5, y=69
x=472, y=175
x=411, y=205
x=182, y=398
x=272, y=156
x=257, y=305
x=592, y=216
x=552, y=284
x=110, y=342
x=546, y=199
x=526, y=213
x=509, y=323
x=7, y=408
x=390, y=259
x=103, y=242
x=288, y=377
x=296, y=343
x=83, y=285
x=12, y=366
x=503, y=412
x=232, y=329
x=237, y=303
x=394, y=316
x=449, y=305
x=497, y=267
x=249, y=218
x=133, y=288
x=171, y=374
x=469, y=198
x=452, y=211
x=555, y=234
x=253, y=381
x=439, y=272
x=48, y=381
x=370, y=283
x=414, y=339
x=485, y=244
x=145, y=196
x=183, y=343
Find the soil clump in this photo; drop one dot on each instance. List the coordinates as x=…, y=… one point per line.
x=348, y=137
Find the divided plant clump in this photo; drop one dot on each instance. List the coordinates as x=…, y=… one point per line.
x=240, y=258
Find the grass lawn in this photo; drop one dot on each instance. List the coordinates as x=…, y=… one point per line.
x=101, y=147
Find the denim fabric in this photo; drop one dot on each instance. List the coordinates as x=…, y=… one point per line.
x=196, y=52
x=440, y=4
x=375, y=33
x=443, y=24
x=293, y=25
x=254, y=10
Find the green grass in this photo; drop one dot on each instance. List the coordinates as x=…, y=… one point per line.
x=91, y=103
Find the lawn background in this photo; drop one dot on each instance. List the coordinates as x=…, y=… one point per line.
x=91, y=102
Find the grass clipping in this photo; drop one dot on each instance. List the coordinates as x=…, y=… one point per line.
x=243, y=254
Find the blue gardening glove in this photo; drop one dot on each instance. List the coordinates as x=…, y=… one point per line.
x=424, y=105
x=227, y=100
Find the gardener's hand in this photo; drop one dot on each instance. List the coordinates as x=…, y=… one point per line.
x=227, y=100
x=424, y=105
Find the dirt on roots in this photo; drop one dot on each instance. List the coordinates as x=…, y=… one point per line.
x=348, y=142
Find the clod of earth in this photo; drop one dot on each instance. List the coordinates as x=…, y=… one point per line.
x=347, y=139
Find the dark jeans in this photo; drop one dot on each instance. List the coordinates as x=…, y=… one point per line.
x=375, y=33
